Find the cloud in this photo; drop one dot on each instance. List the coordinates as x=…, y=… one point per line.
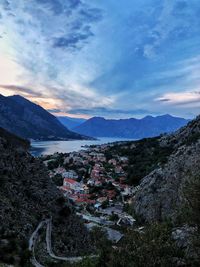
x=21, y=90
x=72, y=40
x=173, y=24
x=162, y=99
x=54, y=110
x=58, y=7
x=101, y=57
x=102, y=111
x=181, y=98
x=50, y=33
x=91, y=14
x=6, y=5
x=74, y=3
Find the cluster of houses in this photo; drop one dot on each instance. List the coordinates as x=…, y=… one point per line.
x=96, y=185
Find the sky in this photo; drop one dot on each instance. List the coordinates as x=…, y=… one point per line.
x=115, y=59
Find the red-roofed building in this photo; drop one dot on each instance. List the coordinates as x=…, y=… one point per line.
x=82, y=199
x=65, y=188
x=72, y=184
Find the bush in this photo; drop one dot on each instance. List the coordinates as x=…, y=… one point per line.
x=152, y=248
x=192, y=194
x=146, y=155
x=58, y=180
x=65, y=211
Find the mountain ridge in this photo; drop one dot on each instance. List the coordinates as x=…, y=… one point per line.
x=148, y=126
x=29, y=120
x=69, y=122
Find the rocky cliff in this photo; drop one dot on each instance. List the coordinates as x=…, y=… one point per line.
x=162, y=192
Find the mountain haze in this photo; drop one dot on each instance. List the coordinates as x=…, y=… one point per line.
x=69, y=122
x=130, y=128
x=28, y=120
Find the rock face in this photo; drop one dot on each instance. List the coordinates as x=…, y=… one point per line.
x=28, y=195
x=130, y=128
x=161, y=193
x=185, y=135
x=28, y=120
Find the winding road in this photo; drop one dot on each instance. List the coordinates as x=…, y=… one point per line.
x=32, y=242
x=33, y=239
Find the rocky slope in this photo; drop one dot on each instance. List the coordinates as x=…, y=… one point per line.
x=28, y=120
x=184, y=136
x=167, y=201
x=27, y=195
x=162, y=192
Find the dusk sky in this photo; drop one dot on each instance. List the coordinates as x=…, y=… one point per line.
x=110, y=58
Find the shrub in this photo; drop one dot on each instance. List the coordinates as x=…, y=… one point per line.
x=152, y=248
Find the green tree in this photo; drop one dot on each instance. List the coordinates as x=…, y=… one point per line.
x=58, y=180
x=152, y=248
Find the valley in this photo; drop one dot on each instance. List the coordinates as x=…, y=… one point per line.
x=99, y=133
x=116, y=197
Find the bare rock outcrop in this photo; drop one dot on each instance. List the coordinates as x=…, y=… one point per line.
x=161, y=193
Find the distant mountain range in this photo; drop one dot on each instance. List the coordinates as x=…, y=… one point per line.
x=130, y=128
x=69, y=122
x=28, y=120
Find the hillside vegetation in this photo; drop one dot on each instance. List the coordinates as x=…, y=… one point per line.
x=144, y=156
x=166, y=205
x=27, y=196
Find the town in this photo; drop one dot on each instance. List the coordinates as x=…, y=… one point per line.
x=94, y=181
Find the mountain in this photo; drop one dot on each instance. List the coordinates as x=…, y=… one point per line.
x=130, y=128
x=163, y=168
x=69, y=122
x=166, y=201
x=163, y=192
x=27, y=197
x=28, y=120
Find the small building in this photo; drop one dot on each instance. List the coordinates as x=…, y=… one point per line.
x=126, y=220
x=70, y=174
x=72, y=184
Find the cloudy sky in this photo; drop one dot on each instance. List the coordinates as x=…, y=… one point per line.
x=117, y=59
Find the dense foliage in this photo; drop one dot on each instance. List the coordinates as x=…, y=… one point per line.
x=152, y=247
x=144, y=156
x=13, y=251
x=192, y=194
x=13, y=139
x=27, y=196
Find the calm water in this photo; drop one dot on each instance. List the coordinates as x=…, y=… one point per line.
x=50, y=147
